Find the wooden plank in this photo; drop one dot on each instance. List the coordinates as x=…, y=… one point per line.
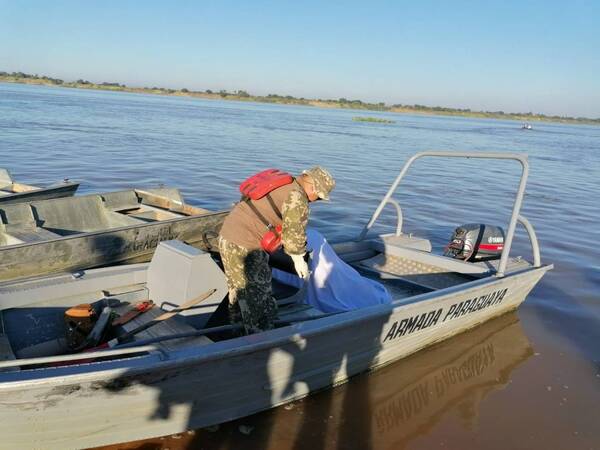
x=152, y=199
x=20, y=187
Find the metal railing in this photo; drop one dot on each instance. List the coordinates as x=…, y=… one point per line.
x=82, y=356
x=515, y=216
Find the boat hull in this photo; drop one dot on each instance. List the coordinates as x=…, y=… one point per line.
x=129, y=244
x=235, y=378
x=59, y=191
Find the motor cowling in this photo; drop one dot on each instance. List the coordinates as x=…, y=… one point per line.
x=476, y=242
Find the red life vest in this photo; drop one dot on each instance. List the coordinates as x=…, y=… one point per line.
x=255, y=188
x=259, y=185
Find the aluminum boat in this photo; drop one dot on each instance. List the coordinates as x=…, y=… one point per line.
x=192, y=371
x=70, y=234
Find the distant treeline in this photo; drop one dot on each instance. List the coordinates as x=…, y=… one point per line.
x=240, y=95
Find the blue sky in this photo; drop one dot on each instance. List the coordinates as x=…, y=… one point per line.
x=539, y=56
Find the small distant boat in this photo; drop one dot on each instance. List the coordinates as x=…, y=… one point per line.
x=13, y=192
x=75, y=233
x=526, y=126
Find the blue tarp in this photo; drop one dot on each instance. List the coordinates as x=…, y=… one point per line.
x=333, y=285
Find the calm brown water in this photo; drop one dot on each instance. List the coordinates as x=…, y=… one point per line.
x=494, y=387
x=527, y=380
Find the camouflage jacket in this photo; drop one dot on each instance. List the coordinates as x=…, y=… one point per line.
x=242, y=226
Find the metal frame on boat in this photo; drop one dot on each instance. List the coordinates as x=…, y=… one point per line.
x=514, y=218
x=185, y=377
x=13, y=192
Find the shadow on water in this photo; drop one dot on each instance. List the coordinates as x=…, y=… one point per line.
x=386, y=409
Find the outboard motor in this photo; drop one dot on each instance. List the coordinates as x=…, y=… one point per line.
x=476, y=242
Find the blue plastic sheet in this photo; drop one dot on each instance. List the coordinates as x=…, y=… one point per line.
x=333, y=285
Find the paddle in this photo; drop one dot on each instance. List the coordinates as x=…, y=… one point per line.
x=96, y=334
x=161, y=318
x=135, y=311
x=59, y=346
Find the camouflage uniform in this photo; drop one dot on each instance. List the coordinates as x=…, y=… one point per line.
x=295, y=211
x=295, y=218
x=249, y=281
x=251, y=301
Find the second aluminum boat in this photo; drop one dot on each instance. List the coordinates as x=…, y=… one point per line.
x=71, y=234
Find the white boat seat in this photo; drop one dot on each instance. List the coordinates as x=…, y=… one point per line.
x=179, y=272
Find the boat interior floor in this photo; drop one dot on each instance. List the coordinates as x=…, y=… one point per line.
x=407, y=267
x=404, y=272
x=421, y=276
x=21, y=328
x=175, y=325
x=45, y=220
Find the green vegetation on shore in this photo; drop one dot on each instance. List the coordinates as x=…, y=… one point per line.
x=372, y=119
x=24, y=78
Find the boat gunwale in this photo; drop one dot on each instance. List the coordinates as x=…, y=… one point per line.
x=112, y=230
x=9, y=198
x=294, y=333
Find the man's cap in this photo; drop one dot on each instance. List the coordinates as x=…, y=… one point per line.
x=322, y=180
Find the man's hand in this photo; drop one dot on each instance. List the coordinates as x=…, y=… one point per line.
x=300, y=265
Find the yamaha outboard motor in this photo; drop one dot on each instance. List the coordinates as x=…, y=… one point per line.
x=476, y=242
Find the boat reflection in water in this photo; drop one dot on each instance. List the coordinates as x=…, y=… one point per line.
x=385, y=409
x=456, y=375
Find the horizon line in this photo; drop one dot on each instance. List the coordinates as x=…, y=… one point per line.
x=242, y=94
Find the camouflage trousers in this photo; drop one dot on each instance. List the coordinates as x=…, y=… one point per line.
x=251, y=300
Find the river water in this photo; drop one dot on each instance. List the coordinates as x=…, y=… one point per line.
x=530, y=379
